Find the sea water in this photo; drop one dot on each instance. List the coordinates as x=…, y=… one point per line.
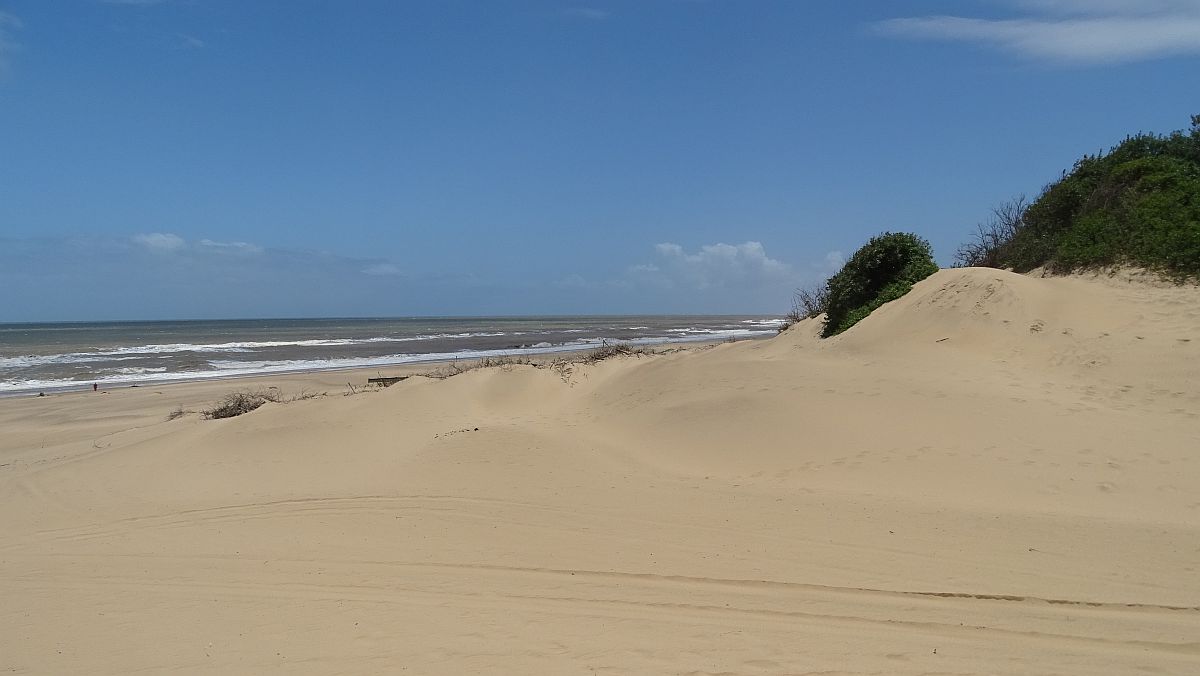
x=72, y=355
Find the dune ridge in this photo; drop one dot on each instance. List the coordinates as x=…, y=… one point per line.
x=995, y=474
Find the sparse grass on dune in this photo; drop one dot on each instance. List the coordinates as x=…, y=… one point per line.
x=239, y=403
x=610, y=350
x=562, y=365
x=245, y=401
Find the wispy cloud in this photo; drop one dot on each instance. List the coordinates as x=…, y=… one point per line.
x=160, y=242
x=191, y=42
x=382, y=270
x=729, y=278
x=163, y=274
x=168, y=242
x=8, y=25
x=238, y=248
x=712, y=266
x=1070, y=31
x=834, y=260
x=588, y=13
x=1104, y=7
x=134, y=3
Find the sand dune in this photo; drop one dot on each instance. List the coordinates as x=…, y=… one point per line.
x=996, y=474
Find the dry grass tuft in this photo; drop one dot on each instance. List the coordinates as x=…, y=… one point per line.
x=610, y=350
x=240, y=403
x=564, y=366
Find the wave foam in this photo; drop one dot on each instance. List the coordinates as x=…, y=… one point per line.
x=229, y=368
x=139, y=351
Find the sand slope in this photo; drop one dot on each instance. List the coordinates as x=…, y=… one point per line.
x=996, y=474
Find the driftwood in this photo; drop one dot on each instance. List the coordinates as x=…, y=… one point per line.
x=385, y=381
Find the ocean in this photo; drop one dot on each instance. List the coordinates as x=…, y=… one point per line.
x=74, y=355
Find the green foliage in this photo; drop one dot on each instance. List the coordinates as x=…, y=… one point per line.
x=1139, y=204
x=883, y=270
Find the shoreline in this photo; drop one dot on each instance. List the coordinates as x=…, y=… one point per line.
x=155, y=364
x=409, y=368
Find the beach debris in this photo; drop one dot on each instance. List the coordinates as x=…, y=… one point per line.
x=239, y=403
x=385, y=381
x=453, y=432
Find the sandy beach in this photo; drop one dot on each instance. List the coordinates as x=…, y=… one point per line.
x=995, y=474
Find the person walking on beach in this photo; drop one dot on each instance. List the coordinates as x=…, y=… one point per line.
x=95, y=387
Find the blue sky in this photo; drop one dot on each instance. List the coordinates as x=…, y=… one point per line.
x=222, y=158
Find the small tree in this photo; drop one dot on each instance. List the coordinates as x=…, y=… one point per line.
x=884, y=269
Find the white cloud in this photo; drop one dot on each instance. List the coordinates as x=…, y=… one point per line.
x=834, y=260
x=713, y=266
x=382, y=270
x=190, y=42
x=572, y=281
x=159, y=241
x=1072, y=31
x=1108, y=7
x=8, y=24
x=166, y=242
x=230, y=247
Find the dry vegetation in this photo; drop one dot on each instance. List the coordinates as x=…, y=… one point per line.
x=564, y=366
x=239, y=403
x=807, y=303
x=245, y=401
x=610, y=350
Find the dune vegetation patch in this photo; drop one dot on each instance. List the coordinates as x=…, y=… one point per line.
x=884, y=269
x=564, y=366
x=610, y=350
x=239, y=403
x=245, y=401
x=807, y=303
x=1138, y=204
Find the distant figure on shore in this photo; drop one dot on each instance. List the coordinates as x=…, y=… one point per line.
x=95, y=387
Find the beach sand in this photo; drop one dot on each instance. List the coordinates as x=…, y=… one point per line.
x=996, y=474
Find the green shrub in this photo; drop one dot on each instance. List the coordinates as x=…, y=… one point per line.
x=1139, y=204
x=883, y=270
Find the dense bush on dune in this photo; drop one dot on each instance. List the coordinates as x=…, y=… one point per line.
x=1138, y=204
x=884, y=269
